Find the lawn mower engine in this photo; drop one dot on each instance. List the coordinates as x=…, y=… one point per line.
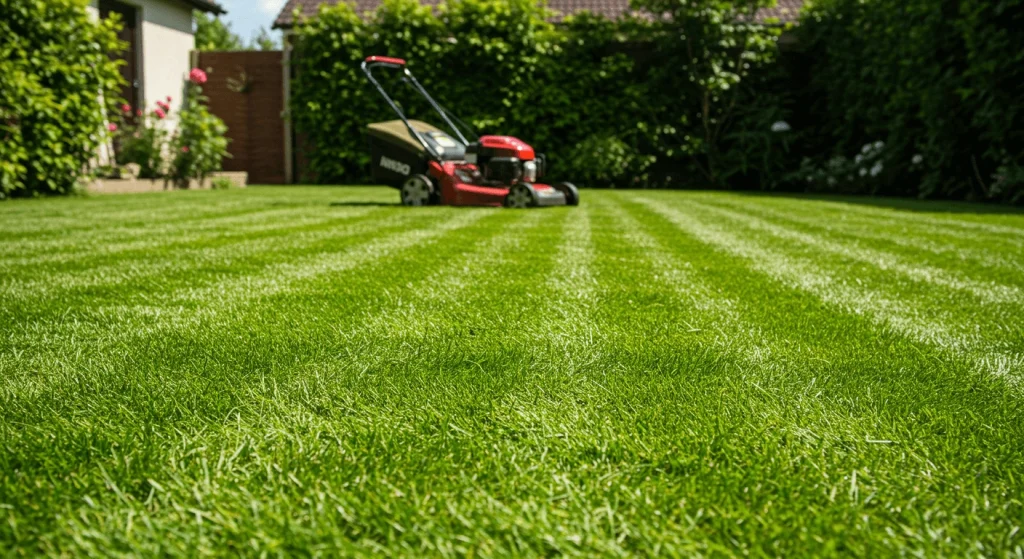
x=429, y=166
x=505, y=160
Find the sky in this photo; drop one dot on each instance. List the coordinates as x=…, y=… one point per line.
x=247, y=16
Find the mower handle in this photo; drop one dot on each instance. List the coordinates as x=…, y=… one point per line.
x=385, y=60
x=398, y=63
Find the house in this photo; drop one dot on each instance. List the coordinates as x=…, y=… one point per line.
x=786, y=11
x=160, y=36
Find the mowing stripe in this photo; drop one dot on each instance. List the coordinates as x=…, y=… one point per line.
x=157, y=209
x=990, y=293
x=958, y=253
x=915, y=223
x=117, y=274
x=885, y=311
x=173, y=332
x=1016, y=234
x=80, y=256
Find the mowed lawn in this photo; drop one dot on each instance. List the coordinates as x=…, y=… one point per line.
x=317, y=371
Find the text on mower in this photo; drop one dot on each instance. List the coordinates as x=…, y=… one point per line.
x=396, y=166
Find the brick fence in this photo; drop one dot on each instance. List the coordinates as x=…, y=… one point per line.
x=246, y=90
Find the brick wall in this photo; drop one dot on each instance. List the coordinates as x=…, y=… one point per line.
x=246, y=90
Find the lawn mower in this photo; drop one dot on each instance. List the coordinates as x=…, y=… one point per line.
x=429, y=166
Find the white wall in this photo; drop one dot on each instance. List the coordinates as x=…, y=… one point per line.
x=166, y=48
x=167, y=45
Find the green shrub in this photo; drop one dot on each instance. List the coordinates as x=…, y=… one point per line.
x=221, y=183
x=140, y=139
x=198, y=147
x=185, y=153
x=57, y=83
x=607, y=161
x=586, y=86
x=935, y=79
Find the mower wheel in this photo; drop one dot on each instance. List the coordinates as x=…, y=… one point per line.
x=572, y=194
x=418, y=190
x=521, y=195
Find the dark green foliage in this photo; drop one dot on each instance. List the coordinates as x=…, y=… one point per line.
x=57, y=83
x=583, y=85
x=939, y=79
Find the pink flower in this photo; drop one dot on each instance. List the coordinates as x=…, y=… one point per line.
x=126, y=108
x=197, y=76
x=112, y=127
x=138, y=112
x=160, y=114
x=184, y=149
x=166, y=108
x=169, y=99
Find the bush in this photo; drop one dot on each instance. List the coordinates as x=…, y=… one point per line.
x=199, y=146
x=588, y=86
x=188, y=152
x=141, y=140
x=605, y=161
x=938, y=81
x=57, y=83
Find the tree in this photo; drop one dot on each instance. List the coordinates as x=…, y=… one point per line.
x=717, y=44
x=263, y=40
x=214, y=34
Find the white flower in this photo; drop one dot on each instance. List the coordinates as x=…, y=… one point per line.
x=917, y=159
x=879, y=145
x=863, y=172
x=781, y=126
x=876, y=169
x=866, y=148
x=858, y=159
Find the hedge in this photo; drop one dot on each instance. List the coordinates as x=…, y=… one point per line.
x=936, y=82
x=610, y=103
x=54, y=70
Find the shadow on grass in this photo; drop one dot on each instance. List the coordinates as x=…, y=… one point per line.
x=363, y=203
x=904, y=204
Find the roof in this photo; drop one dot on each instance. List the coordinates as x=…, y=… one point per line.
x=207, y=6
x=787, y=11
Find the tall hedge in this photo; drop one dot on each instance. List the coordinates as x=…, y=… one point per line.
x=610, y=103
x=939, y=82
x=54, y=69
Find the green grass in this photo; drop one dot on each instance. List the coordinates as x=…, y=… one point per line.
x=301, y=371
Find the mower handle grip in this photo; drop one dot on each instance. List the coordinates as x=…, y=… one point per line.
x=385, y=61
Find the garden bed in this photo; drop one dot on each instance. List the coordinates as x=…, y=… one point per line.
x=135, y=186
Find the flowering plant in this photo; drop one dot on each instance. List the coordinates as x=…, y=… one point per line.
x=858, y=174
x=140, y=140
x=187, y=152
x=199, y=146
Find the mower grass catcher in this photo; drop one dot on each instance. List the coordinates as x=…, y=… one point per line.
x=429, y=166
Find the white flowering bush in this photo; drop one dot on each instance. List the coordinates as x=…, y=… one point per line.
x=858, y=174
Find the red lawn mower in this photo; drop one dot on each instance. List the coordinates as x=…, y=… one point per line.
x=429, y=166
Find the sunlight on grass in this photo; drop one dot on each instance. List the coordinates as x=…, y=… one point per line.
x=303, y=371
